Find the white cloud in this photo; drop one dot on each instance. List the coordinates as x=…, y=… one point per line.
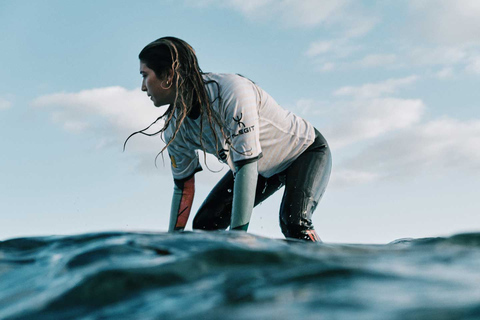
x=329, y=66
x=360, y=24
x=250, y=7
x=446, y=21
x=390, y=140
x=306, y=13
x=110, y=114
x=373, y=90
x=123, y=109
x=5, y=104
x=335, y=48
x=442, y=144
x=327, y=53
x=310, y=12
x=423, y=56
x=441, y=33
x=345, y=15
x=439, y=55
x=320, y=47
x=377, y=60
x=345, y=177
x=372, y=118
x=473, y=65
x=445, y=73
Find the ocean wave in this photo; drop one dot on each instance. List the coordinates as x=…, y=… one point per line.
x=235, y=275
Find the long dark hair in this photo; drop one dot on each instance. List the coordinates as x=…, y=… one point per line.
x=172, y=55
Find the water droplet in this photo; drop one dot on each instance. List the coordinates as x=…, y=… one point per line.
x=229, y=190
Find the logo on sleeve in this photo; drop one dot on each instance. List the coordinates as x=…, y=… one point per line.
x=238, y=120
x=243, y=128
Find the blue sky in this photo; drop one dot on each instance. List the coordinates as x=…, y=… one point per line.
x=393, y=85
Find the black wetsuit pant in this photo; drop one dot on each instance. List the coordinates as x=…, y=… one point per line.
x=305, y=181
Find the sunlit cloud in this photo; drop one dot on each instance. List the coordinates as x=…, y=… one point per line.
x=320, y=47
x=345, y=15
x=445, y=73
x=345, y=178
x=442, y=144
x=443, y=34
x=339, y=48
x=445, y=21
x=373, y=90
x=436, y=55
x=390, y=137
x=110, y=114
x=306, y=13
x=473, y=65
x=374, y=118
x=378, y=60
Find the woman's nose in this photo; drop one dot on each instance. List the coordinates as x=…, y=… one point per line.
x=144, y=87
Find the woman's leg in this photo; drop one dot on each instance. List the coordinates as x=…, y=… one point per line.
x=216, y=211
x=306, y=181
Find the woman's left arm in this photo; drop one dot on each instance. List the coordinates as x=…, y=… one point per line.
x=182, y=199
x=244, y=195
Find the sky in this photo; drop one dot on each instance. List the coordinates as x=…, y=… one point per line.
x=392, y=85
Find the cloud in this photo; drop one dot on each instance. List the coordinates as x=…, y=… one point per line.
x=437, y=55
x=373, y=90
x=473, y=65
x=441, y=144
x=5, y=104
x=373, y=118
x=378, y=60
x=307, y=13
x=424, y=57
x=387, y=138
x=320, y=47
x=109, y=114
x=325, y=52
x=339, y=48
x=441, y=33
x=445, y=73
x=345, y=177
x=345, y=15
x=445, y=21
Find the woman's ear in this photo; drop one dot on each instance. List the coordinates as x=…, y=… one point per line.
x=170, y=76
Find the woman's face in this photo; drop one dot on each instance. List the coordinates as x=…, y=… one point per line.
x=160, y=91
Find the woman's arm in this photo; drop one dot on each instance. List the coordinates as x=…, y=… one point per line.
x=183, y=192
x=244, y=195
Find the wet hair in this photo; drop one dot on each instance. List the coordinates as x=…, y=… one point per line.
x=172, y=56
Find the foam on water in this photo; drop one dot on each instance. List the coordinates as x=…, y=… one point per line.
x=234, y=275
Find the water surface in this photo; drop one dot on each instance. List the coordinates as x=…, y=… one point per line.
x=234, y=275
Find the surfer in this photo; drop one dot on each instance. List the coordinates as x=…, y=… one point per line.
x=265, y=146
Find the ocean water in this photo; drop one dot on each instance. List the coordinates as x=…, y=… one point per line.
x=235, y=275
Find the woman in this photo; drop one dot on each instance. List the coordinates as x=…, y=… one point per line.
x=229, y=116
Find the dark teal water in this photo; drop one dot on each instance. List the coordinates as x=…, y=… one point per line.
x=233, y=275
